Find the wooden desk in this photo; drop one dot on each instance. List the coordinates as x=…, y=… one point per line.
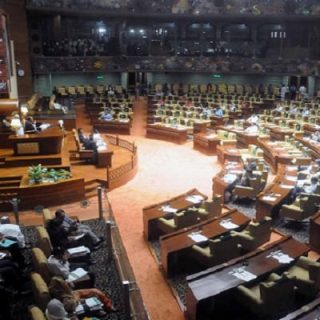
x=200, y=126
x=314, y=232
x=244, y=138
x=178, y=244
x=113, y=126
x=275, y=155
x=104, y=159
x=217, y=281
x=229, y=153
x=219, y=185
x=206, y=143
x=152, y=213
x=278, y=133
x=314, y=146
x=172, y=134
x=48, y=141
x=218, y=121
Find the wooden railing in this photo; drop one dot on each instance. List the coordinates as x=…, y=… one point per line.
x=120, y=175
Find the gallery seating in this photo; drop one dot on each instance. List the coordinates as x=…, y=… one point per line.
x=307, y=276
x=40, y=291
x=271, y=297
x=36, y=313
x=43, y=240
x=255, y=234
x=40, y=264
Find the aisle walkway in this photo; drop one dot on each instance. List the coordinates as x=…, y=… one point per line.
x=165, y=170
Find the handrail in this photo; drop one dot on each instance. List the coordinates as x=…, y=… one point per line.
x=133, y=302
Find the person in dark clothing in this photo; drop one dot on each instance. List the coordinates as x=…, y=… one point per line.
x=30, y=126
x=61, y=238
x=88, y=144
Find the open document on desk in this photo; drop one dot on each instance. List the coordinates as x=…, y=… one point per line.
x=196, y=198
x=243, y=274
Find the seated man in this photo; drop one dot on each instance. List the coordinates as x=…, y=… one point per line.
x=30, y=126
x=254, y=119
x=107, y=116
x=88, y=143
x=252, y=129
x=219, y=112
x=75, y=227
x=59, y=265
x=305, y=188
x=61, y=238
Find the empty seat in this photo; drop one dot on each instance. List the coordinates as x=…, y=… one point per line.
x=40, y=264
x=179, y=220
x=43, y=240
x=255, y=234
x=274, y=296
x=40, y=291
x=307, y=276
x=217, y=250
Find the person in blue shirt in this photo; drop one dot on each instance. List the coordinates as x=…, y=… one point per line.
x=219, y=112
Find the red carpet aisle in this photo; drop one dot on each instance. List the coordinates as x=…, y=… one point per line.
x=165, y=170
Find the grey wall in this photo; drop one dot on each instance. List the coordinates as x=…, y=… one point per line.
x=201, y=78
x=44, y=84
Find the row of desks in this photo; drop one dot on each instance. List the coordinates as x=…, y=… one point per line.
x=176, y=245
x=209, y=285
x=152, y=213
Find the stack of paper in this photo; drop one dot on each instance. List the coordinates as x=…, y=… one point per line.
x=168, y=208
x=93, y=303
x=286, y=186
x=228, y=224
x=197, y=237
x=78, y=250
x=196, y=198
x=243, y=274
x=280, y=257
x=229, y=178
x=77, y=274
x=269, y=198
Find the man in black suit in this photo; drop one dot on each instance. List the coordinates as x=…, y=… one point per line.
x=30, y=126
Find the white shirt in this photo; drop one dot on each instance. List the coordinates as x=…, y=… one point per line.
x=252, y=129
x=58, y=268
x=14, y=231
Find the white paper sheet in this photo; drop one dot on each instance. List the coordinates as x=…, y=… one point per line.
x=168, y=208
x=280, y=257
x=269, y=198
x=286, y=186
x=197, y=237
x=243, y=274
x=77, y=274
x=228, y=224
x=194, y=198
x=77, y=250
x=229, y=178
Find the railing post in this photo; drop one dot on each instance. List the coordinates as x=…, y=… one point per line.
x=100, y=203
x=109, y=240
x=15, y=207
x=117, y=137
x=126, y=299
